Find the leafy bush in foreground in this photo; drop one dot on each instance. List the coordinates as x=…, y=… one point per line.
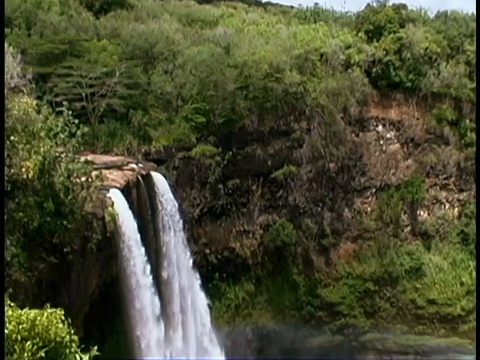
x=36, y=334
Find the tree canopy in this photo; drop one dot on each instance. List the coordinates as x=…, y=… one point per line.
x=177, y=72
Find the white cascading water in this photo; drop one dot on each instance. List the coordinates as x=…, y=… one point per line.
x=185, y=330
x=143, y=304
x=189, y=332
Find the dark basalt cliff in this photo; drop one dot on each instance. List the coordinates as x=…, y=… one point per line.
x=322, y=173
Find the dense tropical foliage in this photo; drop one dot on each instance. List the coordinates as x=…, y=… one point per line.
x=136, y=64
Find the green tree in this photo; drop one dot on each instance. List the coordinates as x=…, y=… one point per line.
x=402, y=60
x=380, y=20
x=91, y=84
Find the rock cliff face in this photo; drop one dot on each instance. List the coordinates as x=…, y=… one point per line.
x=324, y=175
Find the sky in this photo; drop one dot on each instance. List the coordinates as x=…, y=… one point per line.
x=355, y=5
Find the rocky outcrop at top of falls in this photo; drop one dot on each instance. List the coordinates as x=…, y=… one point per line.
x=118, y=171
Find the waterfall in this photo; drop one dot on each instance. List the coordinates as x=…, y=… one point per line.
x=143, y=305
x=175, y=323
x=189, y=331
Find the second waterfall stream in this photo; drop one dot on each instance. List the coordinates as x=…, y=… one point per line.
x=174, y=323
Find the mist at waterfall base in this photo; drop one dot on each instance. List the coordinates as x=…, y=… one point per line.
x=176, y=322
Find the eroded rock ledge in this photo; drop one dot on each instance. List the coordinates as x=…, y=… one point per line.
x=118, y=171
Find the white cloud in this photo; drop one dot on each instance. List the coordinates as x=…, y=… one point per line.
x=355, y=5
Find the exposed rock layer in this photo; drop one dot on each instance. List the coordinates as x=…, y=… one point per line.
x=326, y=173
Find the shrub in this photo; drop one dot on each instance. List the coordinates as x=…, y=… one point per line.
x=281, y=234
x=36, y=334
x=204, y=151
x=363, y=290
x=463, y=126
x=446, y=294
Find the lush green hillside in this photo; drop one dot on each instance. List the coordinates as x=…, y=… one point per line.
x=122, y=76
x=177, y=72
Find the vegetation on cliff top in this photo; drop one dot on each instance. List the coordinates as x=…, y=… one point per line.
x=149, y=73
x=121, y=76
